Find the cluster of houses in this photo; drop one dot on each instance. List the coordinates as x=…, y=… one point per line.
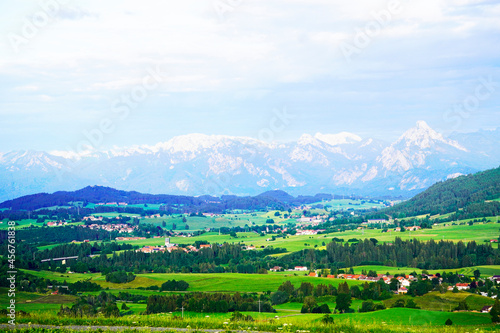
x=56, y=223
x=93, y=218
x=121, y=227
x=296, y=269
x=414, y=228
x=308, y=232
x=153, y=216
x=403, y=281
x=111, y=204
x=169, y=247
x=310, y=221
x=129, y=238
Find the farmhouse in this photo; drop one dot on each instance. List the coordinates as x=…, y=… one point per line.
x=376, y=221
x=306, y=232
x=129, y=238
x=300, y=268
x=415, y=228
x=486, y=309
x=462, y=286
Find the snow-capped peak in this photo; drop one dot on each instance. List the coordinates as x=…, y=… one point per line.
x=196, y=142
x=307, y=139
x=422, y=135
x=338, y=139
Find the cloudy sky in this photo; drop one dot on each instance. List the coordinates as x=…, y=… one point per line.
x=141, y=72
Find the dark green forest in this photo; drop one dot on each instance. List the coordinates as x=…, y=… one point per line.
x=454, y=194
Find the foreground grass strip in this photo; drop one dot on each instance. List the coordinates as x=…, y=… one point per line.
x=164, y=322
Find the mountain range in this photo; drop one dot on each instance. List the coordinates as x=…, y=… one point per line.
x=198, y=164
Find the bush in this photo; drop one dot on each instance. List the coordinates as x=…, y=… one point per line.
x=238, y=316
x=84, y=286
x=462, y=306
x=400, y=303
x=323, y=308
x=119, y=277
x=448, y=322
x=367, y=306
x=411, y=304
x=327, y=320
x=279, y=297
x=172, y=285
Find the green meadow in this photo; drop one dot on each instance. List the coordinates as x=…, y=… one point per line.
x=217, y=221
x=403, y=316
x=489, y=270
x=21, y=224
x=479, y=232
x=344, y=204
x=448, y=301
x=205, y=282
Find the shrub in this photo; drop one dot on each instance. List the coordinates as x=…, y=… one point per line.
x=367, y=306
x=279, y=297
x=327, y=320
x=119, y=277
x=411, y=304
x=172, y=285
x=323, y=308
x=400, y=303
x=238, y=316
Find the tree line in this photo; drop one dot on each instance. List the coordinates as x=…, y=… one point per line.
x=413, y=253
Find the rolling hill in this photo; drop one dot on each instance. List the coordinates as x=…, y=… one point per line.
x=460, y=193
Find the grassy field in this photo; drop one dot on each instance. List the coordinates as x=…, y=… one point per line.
x=478, y=232
x=62, y=277
x=396, y=319
x=217, y=221
x=399, y=319
x=225, y=282
x=468, y=271
x=216, y=282
x=344, y=204
x=444, y=302
x=30, y=302
x=29, y=222
x=403, y=316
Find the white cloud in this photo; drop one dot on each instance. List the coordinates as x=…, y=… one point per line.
x=263, y=54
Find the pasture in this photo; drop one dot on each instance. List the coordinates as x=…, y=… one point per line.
x=479, y=232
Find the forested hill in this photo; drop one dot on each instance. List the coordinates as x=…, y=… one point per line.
x=101, y=194
x=455, y=194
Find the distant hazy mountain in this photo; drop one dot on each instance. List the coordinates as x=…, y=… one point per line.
x=198, y=164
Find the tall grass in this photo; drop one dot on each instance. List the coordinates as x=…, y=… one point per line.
x=200, y=324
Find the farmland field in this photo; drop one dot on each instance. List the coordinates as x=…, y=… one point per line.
x=223, y=282
x=479, y=232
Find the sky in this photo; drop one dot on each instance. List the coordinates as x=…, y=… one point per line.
x=121, y=73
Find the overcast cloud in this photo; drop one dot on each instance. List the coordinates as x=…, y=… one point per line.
x=369, y=67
